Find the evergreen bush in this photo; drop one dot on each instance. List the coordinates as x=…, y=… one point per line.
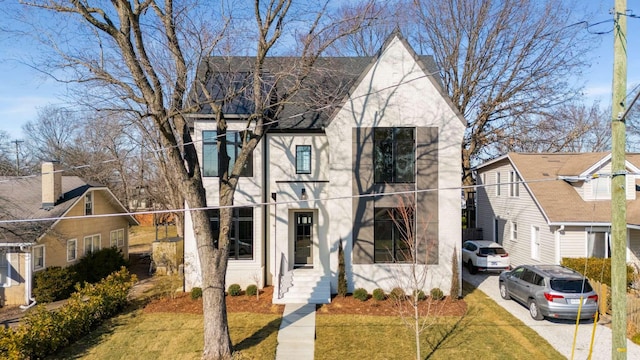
x=379, y=294
x=360, y=294
x=196, y=293
x=437, y=294
x=234, y=290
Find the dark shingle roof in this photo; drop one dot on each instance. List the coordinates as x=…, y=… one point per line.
x=320, y=93
x=21, y=198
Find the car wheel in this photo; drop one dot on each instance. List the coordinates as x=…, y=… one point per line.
x=534, y=310
x=504, y=293
x=472, y=269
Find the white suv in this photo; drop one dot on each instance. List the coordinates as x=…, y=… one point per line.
x=482, y=255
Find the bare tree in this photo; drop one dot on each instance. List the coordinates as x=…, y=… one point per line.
x=411, y=273
x=7, y=164
x=570, y=127
x=500, y=61
x=139, y=58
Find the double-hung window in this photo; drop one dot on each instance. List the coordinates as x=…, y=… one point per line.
x=392, y=235
x=38, y=257
x=91, y=243
x=210, y=155
x=240, y=234
x=5, y=269
x=394, y=155
x=72, y=250
x=498, y=184
x=514, y=186
x=303, y=159
x=117, y=238
x=88, y=203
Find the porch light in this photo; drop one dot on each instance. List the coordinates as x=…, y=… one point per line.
x=303, y=194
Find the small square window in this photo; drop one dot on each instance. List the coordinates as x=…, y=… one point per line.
x=303, y=159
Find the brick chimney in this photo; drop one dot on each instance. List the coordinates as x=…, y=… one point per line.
x=51, y=184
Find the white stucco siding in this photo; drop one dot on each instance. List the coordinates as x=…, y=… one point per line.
x=395, y=93
x=249, y=192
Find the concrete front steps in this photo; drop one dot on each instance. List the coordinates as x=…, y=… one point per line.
x=309, y=286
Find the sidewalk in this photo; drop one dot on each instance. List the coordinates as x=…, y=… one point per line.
x=297, y=334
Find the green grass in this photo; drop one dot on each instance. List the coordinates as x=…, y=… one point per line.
x=486, y=331
x=173, y=336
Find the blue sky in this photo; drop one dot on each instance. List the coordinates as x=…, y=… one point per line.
x=23, y=90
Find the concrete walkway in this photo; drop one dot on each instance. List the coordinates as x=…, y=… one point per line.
x=297, y=333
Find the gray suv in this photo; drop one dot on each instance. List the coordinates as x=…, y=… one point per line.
x=550, y=291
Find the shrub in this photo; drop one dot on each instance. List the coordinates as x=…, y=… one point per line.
x=234, y=290
x=454, y=290
x=379, y=294
x=597, y=269
x=53, y=284
x=437, y=294
x=342, y=278
x=397, y=294
x=419, y=294
x=196, y=293
x=97, y=265
x=361, y=294
x=252, y=290
x=44, y=332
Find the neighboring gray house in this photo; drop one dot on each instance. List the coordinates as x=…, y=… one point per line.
x=364, y=127
x=544, y=207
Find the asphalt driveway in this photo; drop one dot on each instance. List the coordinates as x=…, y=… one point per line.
x=558, y=333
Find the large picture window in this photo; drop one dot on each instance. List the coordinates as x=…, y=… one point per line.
x=394, y=155
x=240, y=234
x=303, y=159
x=210, y=155
x=392, y=237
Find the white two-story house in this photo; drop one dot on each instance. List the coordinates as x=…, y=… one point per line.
x=329, y=176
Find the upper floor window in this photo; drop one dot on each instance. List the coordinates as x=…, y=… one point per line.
x=514, y=184
x=514, y=231
x=210, y=155
x=394, y=155
x=392, y=235
x=38, y=257
x=240, y=234
x=498, y=185
x=601, y=188
x=88, y=203
x=303, y=159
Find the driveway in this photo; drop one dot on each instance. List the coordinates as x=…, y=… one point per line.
x=558, y=333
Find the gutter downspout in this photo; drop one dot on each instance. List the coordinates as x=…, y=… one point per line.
x=29, y=300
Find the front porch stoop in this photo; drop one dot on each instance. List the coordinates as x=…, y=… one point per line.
x=309, y=286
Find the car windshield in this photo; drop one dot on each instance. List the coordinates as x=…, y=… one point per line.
x=492, y=251
x=571, y=286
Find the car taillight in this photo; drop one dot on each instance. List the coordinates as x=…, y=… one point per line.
x=550, y=297
x=593, y=297
x=482, y=255
x=504, y=255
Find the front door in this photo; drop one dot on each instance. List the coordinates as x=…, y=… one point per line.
x=303, y=242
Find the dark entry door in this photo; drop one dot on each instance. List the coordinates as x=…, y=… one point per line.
x=303, y=239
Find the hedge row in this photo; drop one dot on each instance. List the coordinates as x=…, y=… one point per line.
x=58, y=283
x=44, y=332
x=597, y=269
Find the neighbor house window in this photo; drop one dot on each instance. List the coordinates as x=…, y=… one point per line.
x=394, y=155
x=38, y=257
x=117, y=238
x=392, y=234
x=72, y=249
x=240, y=234
x=210, y=155
x=601, y=188
x=303, y=159
x=514, y=230
x=498, y=186
x=91, y=243
x=5, y=269
x=88, y=203
x=514, y=186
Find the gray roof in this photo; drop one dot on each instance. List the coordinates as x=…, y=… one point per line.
x=21, y=198
x=312, y=106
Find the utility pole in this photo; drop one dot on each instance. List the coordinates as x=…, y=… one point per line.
x=618, y=186
x=18, y=142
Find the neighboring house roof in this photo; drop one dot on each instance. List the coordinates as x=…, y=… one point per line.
x=311, y=108
x=21, y=198
x=558, y=199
